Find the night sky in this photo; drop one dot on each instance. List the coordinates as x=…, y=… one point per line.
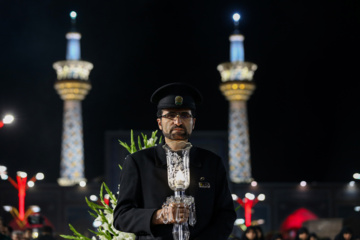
x=303, y=117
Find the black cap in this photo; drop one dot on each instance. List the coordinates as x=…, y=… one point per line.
x=176, y=95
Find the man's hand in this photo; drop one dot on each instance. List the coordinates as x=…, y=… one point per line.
x=173, y=213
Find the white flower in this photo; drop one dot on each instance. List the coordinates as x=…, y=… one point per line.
x=107, y=212
x=107, y=223
x=125, y=236
x=116, y=231
x=151, y=141
x=102, y=237
x=105, y=227
x=113, y=203
x=109, y=218
x=98, y=219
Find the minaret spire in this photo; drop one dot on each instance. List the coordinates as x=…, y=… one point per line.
x=73, y=16
x=237, y=86
x=236, y=17
x=72, y=85
x=73, y=51
x=236, y=42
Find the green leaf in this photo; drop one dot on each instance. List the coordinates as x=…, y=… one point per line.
x=101, y=234
x=100, y=209
x=79, y=235
x=69, y=237
x=93, y=214
x=112, y=196
x=94, y=206
x=133, y=147
x=153, y=135
x=98, y=233
x=125, y=145
x=101, y=194
x=146, y=140
x=139, y=143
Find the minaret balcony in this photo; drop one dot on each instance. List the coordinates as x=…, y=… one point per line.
x=73, y=69
x=237, y=71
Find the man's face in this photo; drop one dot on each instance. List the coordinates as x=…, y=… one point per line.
x=347, y=236
x=303, y=236
x=179, y=127
x=251, y=235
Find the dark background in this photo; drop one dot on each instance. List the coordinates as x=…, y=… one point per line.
x=303, y=116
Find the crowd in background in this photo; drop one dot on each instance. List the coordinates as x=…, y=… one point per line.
x=256, y=233
x=8, y=233
x=251, y=233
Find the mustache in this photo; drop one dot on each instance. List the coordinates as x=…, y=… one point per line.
x=182, y=127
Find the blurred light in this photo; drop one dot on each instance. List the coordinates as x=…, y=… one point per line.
x=250, y=196
x=8, y=119
x=3, y=173
x=73, y=14
x=31, y=183
x=1, y=124
x=357, y=209
x=236, y=17
x=35, y=208
x=234, y=197
x=254, y=183
x=7, y=208
x=356, y=176
x=260, y=221
x=261, y=197
x=39, y=176
x=82, y=183
x=93, y=198
x=239, y=221
x=4, y=176
x=35, y=234
x=97, y=223
x=352, y=183
x=22, y=174
x=303, y=183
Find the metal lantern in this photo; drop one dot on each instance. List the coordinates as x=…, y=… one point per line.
x=178, y=169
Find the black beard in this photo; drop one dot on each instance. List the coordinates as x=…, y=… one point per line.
x=177, y=136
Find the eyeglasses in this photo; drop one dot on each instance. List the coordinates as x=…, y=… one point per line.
x=173, y=115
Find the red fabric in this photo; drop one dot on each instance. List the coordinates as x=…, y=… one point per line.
x=16, y=226
x=21, y=182
x=247, y=204
x=295, y=220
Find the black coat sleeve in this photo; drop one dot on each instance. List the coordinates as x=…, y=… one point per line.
x=129, y=214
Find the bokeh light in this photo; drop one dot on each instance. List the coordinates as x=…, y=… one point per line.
x=73, y=14
x=236, y=17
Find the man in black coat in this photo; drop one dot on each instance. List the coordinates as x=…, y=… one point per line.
x=144, y=183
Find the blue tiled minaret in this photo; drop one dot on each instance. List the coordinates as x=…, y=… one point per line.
x=72, y=85
x=237, y=86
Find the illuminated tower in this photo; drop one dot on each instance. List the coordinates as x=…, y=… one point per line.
x=237, y=86
x=72, y=85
